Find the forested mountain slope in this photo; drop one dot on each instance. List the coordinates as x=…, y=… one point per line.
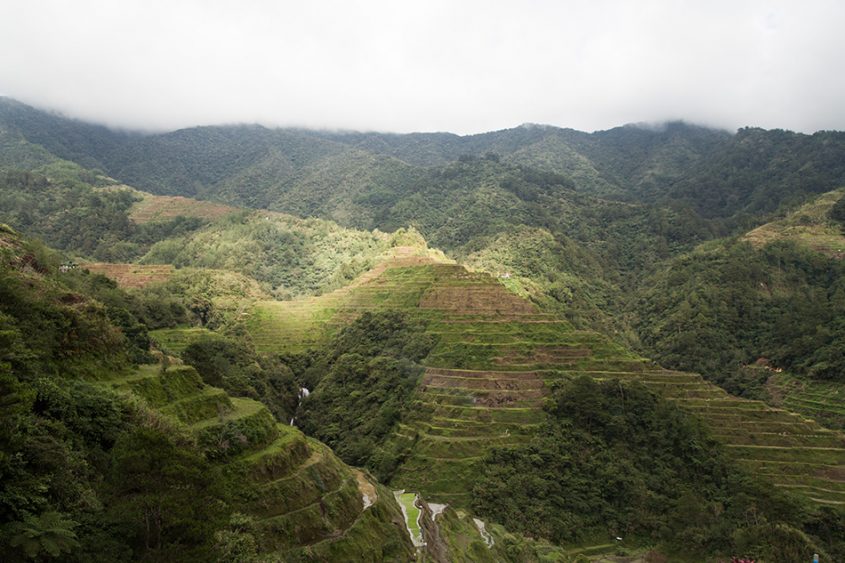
x=104, y=459
x=629, y=197
x=108, y=462
x=717, y=174
x=743, y=309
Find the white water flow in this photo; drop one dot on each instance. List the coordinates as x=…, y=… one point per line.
x=485, y=535
x=303, y=393
x=436, y=509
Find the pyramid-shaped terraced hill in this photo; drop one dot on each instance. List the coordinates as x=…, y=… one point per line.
x=299, y=324
x=308, y=504
x=495, y=360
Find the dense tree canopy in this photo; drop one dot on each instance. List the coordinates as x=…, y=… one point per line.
x=616, y=460
x=727, y=305
x=370, y=373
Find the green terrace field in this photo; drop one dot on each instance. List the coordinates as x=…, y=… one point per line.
x=299, y=324
x=809, y=226
x=819, y=400
x=412, y=514
x=496, y=358
x=175, y=340
x=306, y=502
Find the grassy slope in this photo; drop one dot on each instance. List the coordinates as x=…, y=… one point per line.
x=809, y=226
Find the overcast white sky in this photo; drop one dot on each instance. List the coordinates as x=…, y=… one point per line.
x=428, y=65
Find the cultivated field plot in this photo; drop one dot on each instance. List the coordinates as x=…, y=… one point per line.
x=162, y=208
x=132, y=275
x=822, y=401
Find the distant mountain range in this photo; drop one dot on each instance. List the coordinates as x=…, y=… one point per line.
x=715, y=173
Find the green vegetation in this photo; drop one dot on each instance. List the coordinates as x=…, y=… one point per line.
x=68, y=443
x=102, y=461
x=726, y=305
x=589, y=473
x=506, y=383
x=370, y=373
x=234, y=366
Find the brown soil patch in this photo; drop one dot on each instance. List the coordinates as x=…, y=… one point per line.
x=366, y=488
x=446, y=382
x=162, y=208
x=496, y=401
x=833, y=473
x=131, y=275
x=473, y=300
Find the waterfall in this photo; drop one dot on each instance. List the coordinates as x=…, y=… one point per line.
x=303, y=393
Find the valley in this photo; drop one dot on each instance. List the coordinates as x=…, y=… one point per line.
x=559, y=346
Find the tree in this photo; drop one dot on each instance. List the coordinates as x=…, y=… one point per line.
x=50, y=533
x=837, y=212
x=165, y=492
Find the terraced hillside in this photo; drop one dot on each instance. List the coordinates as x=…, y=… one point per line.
x=810, y=226
x=307, y=504
x=299, y=324
x=497, y=357
x=820, y=400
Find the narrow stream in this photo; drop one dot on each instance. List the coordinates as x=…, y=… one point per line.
x=485, y=535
